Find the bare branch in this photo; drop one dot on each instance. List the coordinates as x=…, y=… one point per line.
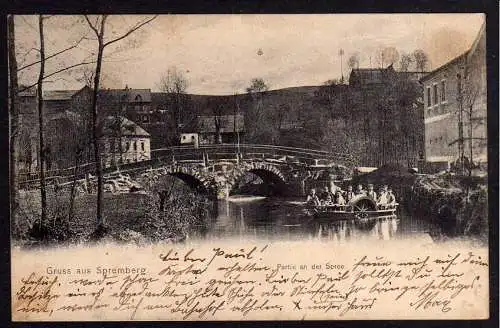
x=57, y=72
x=53, y=55
x=28, y=23
x=132, y=30
x=92, y=25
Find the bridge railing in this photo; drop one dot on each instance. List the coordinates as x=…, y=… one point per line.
x=202, y=154
x=252, y=150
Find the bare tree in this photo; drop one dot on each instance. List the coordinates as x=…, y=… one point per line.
x=387, y=56
x=15, y=90
x=421, y=60
x=405, y=62
x=41, y=145
x=98, y=26
x=353, y=61
x=174, y=83
x=13, y=115
x=219, y=121
x=468, y=97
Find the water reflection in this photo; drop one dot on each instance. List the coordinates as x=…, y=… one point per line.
x=282, y=219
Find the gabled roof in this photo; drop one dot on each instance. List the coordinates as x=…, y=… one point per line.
x=55, y=95
x=128, y=95
x=110, y=125
x=206, y=124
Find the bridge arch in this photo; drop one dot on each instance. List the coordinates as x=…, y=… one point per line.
x=191, y=177
x=270, y=174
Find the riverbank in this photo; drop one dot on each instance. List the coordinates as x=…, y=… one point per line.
x=457, y=204
x=128, y=217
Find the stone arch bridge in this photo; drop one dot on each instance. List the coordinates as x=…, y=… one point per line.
x=217, y=169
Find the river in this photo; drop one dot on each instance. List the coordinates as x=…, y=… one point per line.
x=259, y=218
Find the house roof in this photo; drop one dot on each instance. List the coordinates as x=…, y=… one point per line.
x=158, y=97
x=129, y=95
x=55, y=95
x=128, y=128
x=454, y=61
x=107, y=124
x=370, y=75
x=73, y=117
x=206, y=124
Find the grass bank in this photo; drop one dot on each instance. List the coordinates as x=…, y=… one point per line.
x=129, y=217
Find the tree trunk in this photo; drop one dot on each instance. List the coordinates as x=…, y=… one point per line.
x=471, y=140
x=14, y=117
x=73, y=186
x=41, y=145
x=95, y=132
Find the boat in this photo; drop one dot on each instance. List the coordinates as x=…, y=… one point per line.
x=360, y=207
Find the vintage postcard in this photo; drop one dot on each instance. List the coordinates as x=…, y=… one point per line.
x=248, y=167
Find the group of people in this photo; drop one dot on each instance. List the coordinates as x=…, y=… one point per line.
x=337, y=196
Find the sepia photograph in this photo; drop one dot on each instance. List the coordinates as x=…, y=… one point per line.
x=246, y=166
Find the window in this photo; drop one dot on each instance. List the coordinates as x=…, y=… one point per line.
x=429, y=97
x=435, y=90
x=145, y=118
x=138, y=98
x=142, y=145
x=135, y=145
x=443, y=91
x=459, y=83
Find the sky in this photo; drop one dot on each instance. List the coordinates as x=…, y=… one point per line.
x=220, y=54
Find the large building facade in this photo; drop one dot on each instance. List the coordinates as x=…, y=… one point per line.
x=455, y=109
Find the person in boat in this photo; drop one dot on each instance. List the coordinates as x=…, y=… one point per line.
x=360, y=190
x=383, y=198
x=340, y=201
x=328, y=200
x=349, y=194
x=333, y=187
x=391, y=199
x=372, y=193
x=325, y=194
x=312, y=198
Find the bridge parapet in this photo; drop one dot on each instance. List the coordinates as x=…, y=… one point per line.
x=219, y=167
